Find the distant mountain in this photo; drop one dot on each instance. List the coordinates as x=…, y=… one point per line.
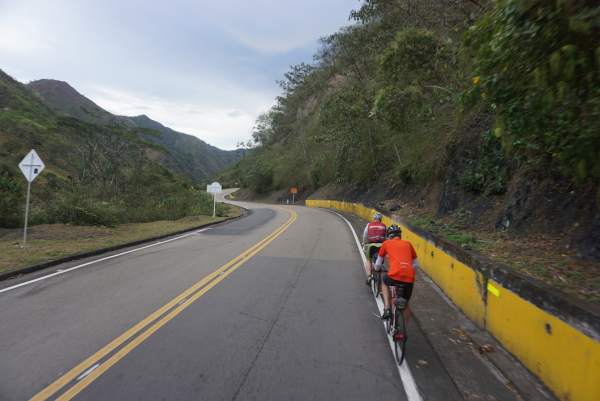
x=102, y=173
x=185, y=154
x=189, y=155
x=63, y=98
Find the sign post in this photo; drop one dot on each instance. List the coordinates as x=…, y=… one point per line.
x=214, y=189
x=31, y=166
x=293, y=191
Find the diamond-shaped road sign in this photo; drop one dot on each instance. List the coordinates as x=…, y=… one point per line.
x=31, y=165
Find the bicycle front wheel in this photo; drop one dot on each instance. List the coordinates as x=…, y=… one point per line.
x=376, y=284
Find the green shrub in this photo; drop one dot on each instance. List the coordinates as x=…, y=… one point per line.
x=537, y=64
x=76, y=209
x=12, y=199
x=411, y=70
x=486, y=171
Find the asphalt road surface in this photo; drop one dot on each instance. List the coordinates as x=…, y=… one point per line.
x=272, y=306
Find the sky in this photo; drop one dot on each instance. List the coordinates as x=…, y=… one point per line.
x=206, y=68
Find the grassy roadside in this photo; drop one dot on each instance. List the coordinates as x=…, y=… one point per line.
x=543, y=257
x=48, y=242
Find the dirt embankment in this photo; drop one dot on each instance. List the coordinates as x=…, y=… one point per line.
x=544, y=228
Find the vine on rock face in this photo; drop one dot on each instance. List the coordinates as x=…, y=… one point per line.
x=384, y=99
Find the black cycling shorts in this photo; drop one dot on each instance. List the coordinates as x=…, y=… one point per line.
x=373, y=251
x=403, y=289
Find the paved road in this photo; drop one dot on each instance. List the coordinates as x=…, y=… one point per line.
x=291, y=319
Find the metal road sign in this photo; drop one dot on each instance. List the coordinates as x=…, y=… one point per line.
x=214, y=188
x=31, y=165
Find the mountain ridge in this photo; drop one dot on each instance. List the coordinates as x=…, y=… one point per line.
x=186, y=154
x=64, y=98
x=95, y=173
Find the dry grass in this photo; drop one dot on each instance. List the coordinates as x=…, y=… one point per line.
x=53, y=241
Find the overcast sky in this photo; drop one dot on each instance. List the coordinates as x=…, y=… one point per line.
x=207, y=68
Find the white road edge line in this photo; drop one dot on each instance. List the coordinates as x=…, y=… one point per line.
x=410, y=386
x=63, y=271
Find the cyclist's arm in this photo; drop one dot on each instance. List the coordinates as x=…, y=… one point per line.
x=365, y=234
x=381, y=256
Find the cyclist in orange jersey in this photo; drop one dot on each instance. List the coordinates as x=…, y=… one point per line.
x=401, y=270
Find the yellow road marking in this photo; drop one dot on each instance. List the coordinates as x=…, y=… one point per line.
x=205, y=282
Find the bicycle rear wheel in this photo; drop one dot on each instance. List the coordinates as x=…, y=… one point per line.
x=399, y=336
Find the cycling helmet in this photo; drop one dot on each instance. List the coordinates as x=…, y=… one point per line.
x=394, y=231
x=377, y=216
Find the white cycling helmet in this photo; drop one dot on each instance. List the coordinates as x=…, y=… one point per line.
x=377, y=216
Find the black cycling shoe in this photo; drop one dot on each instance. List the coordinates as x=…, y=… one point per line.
x=369, y=280
x=387, y=314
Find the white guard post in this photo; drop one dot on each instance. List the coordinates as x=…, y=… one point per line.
x=31, y=166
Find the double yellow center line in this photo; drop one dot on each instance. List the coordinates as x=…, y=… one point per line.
x=130, y=339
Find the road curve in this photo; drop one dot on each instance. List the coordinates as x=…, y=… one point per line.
x=287, y=319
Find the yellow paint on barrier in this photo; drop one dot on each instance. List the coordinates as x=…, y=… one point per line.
x=493, y=290
x=564, y=358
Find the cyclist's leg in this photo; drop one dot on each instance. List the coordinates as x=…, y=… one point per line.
x=385, y=290
x=370, y=253
x=367, y=249
x=405, y=290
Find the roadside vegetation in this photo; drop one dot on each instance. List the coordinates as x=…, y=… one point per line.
x=53, y=241
x=392, y=93
x=102, y=175
x=482, y=115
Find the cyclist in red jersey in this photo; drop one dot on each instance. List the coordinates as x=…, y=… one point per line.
x=374, y=232
x=401, y=271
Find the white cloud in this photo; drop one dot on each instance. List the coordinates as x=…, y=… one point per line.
x=277, y=26
x=20, y=34
x=204, y=68
x=216, y=124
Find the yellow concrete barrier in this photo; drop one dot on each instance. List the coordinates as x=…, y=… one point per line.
x=563, y=351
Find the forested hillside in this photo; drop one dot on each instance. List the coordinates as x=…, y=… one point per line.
x=486, y=111
x=95, y=173
x=185, y=154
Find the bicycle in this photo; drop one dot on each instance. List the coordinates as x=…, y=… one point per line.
x=396, y=324
x=376, y=278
